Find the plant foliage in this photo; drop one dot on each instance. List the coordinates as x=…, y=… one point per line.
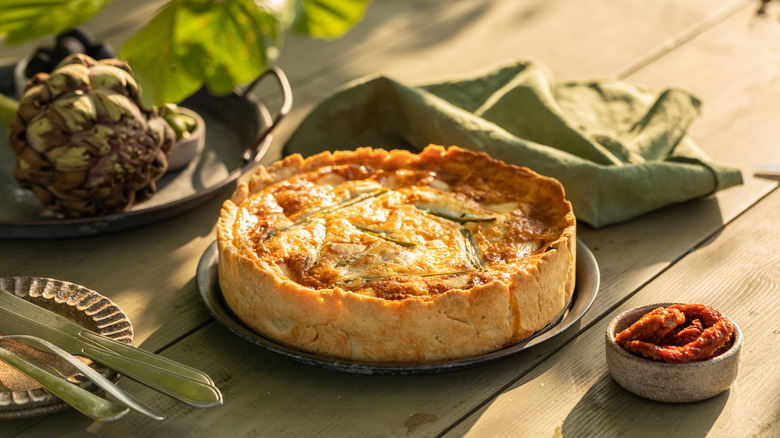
x=23, y=20
x=193, y=43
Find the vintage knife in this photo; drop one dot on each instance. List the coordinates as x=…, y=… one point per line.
x=20, y=317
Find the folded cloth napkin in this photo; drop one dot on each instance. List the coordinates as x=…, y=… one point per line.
x=619, y=151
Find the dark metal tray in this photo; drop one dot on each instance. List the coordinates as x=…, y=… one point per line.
x=238, y=129
x=587, y=285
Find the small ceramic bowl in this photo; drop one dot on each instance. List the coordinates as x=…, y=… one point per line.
x=184, y=150
x=669, y=382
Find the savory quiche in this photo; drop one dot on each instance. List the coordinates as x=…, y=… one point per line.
x=389, y=256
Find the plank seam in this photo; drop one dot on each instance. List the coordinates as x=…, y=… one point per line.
x=676, y=42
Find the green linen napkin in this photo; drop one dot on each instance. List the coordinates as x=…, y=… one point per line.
x=620, y=151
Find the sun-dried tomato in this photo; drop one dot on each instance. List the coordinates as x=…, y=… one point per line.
x=708, y=315
x=662, y=335
x=683, y=334
x=653, y=325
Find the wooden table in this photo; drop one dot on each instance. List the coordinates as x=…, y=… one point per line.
x=722, y=250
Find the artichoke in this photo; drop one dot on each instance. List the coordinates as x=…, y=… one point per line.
x=85, y=145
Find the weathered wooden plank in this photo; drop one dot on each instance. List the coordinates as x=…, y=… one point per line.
x=571, y=391
x=266, y=394
x=149, y=272
x=86, y=261
x=738, y=272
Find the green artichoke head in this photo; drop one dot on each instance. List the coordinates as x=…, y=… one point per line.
x=84, y=143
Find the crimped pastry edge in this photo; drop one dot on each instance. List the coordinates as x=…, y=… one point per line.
x=338, y=323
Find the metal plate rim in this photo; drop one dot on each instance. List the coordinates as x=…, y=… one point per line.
x=586, y=289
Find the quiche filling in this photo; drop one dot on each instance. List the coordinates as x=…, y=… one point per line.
x=390, y=256
x=393, y=233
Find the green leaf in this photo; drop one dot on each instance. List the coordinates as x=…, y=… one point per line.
x=327, y=18
x=191, y=43
x=23, y=20
x=221, y=44
x=157, y=68
x=227, y=45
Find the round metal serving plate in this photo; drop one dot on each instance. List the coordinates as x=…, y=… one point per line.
x=236, y=139
x=587, y=285
x=22, y=397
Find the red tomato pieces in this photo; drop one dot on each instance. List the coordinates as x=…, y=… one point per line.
x=678, y=333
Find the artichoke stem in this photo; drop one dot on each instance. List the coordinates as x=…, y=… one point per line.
x=8, y=108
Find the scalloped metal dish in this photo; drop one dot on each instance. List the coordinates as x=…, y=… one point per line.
x=587, y=285
x=237, y=137
x=22, y=397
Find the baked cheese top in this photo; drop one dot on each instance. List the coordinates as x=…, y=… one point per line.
x=394, y=231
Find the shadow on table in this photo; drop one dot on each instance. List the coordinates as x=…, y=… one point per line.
x=652, y=241
x=608, y=409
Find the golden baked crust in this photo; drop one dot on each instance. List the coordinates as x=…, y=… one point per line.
x=373, y=255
